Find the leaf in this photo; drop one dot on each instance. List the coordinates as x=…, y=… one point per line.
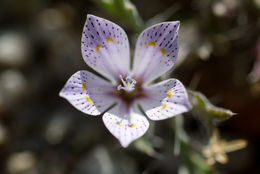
x=123, y=10
x=144, y=146
x=203, y=107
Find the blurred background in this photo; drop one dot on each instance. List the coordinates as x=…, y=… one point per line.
x=41, y=133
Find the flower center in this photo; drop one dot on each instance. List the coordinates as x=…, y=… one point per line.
x=128, y=84
x=128, y=90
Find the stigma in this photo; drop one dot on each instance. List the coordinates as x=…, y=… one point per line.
x=128, y=84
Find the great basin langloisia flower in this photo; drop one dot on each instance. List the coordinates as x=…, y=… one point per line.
x=105, y=48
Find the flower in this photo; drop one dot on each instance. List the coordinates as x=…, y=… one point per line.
x=105, y=48
x=217, y=148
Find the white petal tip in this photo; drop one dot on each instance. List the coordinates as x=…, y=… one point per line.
x=124, y=145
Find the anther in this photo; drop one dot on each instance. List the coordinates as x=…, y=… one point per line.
x=128, y=83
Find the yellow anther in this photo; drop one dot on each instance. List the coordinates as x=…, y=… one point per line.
x=164, y=106
x=151, y=44
x=98, y=47
x=109, y=39
x=119, y=124
x=84, y=86
x=89, y=100
x=169, y=94
x=132, y=125
x=162, y=50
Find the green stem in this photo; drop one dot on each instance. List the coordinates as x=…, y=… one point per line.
x=191, y=161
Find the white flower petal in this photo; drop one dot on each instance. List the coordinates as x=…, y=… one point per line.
x=125, y=125
x=88, y=93
x=105, y=47
x=165, y=99
x=156, y=51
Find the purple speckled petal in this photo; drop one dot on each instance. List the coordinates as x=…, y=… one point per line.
x=125, y=125
x=105, y=47
x=88, y=93
x=165, y=99
x=156, y=50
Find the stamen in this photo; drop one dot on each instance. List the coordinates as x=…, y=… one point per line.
x=128, y=84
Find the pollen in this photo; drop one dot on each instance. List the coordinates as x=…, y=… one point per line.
x=151, y=44
x=89, y=100
x=84, y=86
x=119, y=124
x=109, y=39
x=169, y=94
x=132, y=125
x=98, y=47
x=162, y=50
x=164, y=106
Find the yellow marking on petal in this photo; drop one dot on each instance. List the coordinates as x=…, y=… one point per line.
x=84, y=87
x=119, y=124
x=132, y=125
x=89, y=100
x=162, y=50
x=164, y=106
x=169, y=94
x=98, y=47
x=151, y=44
x=109, y=39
